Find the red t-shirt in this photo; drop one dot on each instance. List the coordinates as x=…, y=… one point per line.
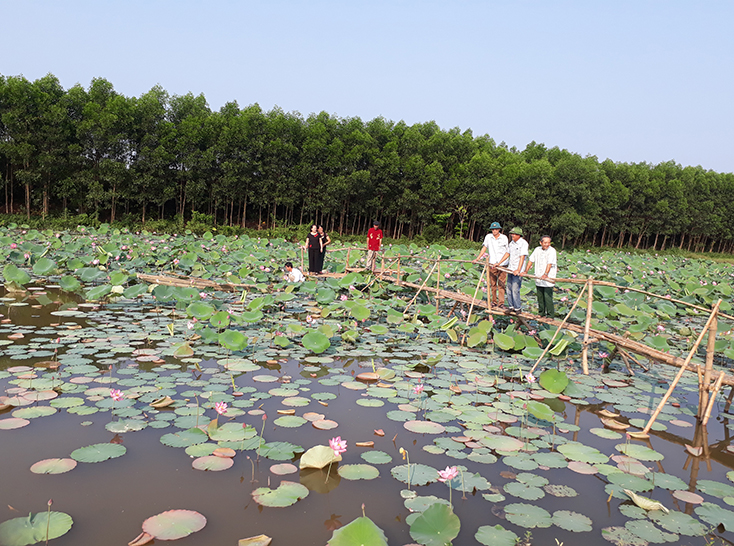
x=374, y=238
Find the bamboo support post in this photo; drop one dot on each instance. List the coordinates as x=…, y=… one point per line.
x=587, y=326
x=683, y=367
x=474, y=298
x=712, y=400
x=633, y=359
x=301, y=259
x=703, y=387
x=382, y=264
x=421, y=287
x=489, y=286
x=550, y=343
x=398, y=283
x=346, y=266
x=438, y=285
x=729, y=399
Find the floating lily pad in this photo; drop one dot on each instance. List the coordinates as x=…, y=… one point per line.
x=622, y=537
x=640, y=452
x=495, y=536
x=53, y=466
x=420, y=474
x=436, y=526
x=359, y=531
x=528, y=515
x=376, y=457
x=286, y=494
x=572, y=521
x=424, y=427
x=98, y=452
x=34, y=528
x=212, y=463
x=174, y=524
x=358, y=472
x=11, y=423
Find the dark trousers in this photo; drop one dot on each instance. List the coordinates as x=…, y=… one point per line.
x=497, y=281
x=545, y=301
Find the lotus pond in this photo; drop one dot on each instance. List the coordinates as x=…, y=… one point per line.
x=216, y=416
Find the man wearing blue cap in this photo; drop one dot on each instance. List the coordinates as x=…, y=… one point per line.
x=497, y=245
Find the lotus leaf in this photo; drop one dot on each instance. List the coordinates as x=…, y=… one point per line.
x=528, y=515
x=496, y=536
x=12, y=273
x=679, y=522
x=640, y=452
x=359, y=531
x=420, y=474
x=436, y=526
x=646, y=530
x=98, y=452
x=34, y=528
x=572, y=521
x=714, y=514
x=212, y=463
x=318, y=456
x=316, y=342
x=53, y=466
x=286, y=494
x=174, y=524
x=358, y=472
x=553, y=380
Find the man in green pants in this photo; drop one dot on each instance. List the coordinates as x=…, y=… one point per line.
x=546, y=269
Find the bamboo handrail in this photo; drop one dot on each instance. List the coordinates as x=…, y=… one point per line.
x=421, y=288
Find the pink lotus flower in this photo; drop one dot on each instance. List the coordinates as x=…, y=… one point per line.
x=309, y=319
x=221, y=407
x=13, y=245
x=447, y=475
x=418, y=388
x=338, y=445
x=661, y=328
x=117, y=395
x=343, y=297
x=602, y=354
x=530, y=378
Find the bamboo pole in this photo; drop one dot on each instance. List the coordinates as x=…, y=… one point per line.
x=421, y=288
x=301, y=259
x=657, y=411
x=398, y=283
x=703, y=387
x=438, y=284
x=346, y=265
x=712, y=401
x=550, y=343
x=489, y=285
x=587, y=326
x=471, y=307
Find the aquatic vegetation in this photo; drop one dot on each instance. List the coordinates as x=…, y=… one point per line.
x=206, y=366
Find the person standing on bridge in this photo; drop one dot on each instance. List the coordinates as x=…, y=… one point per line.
x=374, y=240
x=546, y=269
x=517, y=252
x=496, y=245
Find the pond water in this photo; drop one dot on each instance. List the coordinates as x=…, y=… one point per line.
x=127, y=346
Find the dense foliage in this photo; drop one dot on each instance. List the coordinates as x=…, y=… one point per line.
x=115, y=158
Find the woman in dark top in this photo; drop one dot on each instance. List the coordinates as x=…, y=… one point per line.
x=325, y=240
x=314, y=248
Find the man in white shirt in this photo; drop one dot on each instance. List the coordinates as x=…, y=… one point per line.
x=495, y=245
x=546, y=268
x=517, y=252
x=293, y=274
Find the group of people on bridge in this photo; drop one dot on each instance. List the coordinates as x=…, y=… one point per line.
x=508, y=263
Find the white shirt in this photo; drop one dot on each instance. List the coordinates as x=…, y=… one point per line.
x=295, y=275
x=496, y=247
x=517, y=249
x=541, y=258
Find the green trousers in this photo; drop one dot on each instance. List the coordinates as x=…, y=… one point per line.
x=545, y=301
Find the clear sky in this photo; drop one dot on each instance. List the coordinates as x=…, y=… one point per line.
x=629, y=80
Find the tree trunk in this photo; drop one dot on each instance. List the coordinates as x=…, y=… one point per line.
x=244, y=213
x=665, y=239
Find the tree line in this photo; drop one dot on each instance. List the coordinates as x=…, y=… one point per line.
x=159, y=156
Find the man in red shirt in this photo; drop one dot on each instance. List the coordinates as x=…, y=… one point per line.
x=374, y=240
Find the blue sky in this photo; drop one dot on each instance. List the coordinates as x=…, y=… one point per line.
x=626, y=80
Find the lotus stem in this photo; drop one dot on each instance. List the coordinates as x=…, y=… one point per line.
x=48, y=518
x=328, y=471
x=463, y=490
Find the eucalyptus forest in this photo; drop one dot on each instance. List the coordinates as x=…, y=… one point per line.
x=121, y=159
